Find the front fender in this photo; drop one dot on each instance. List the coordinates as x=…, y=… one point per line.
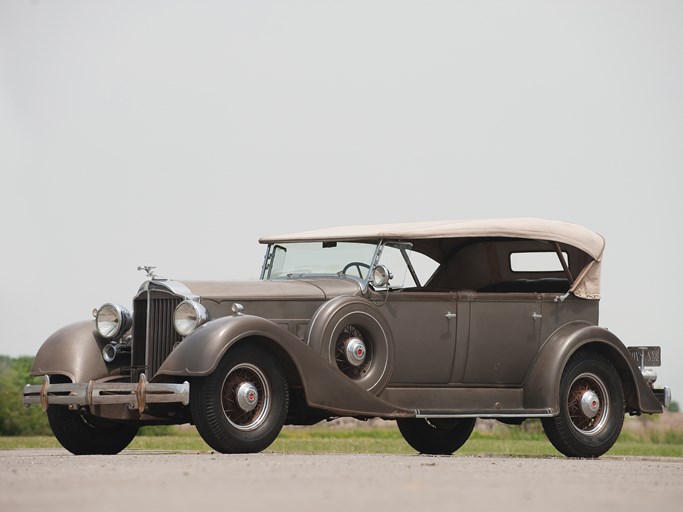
x=542, y=385
x=200, y=352
x=74, y=351
x=325, y=387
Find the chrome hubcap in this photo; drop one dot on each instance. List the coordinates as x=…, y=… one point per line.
x=355, y=351
x=590, y=404
x=247, y=396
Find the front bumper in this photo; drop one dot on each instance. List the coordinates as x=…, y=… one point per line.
x=136, y=396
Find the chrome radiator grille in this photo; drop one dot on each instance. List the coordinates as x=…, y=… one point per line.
x=153, y=333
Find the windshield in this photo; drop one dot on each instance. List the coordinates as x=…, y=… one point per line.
x=315, y=258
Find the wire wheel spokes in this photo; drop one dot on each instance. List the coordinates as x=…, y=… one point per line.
x=246, y=397
x=588, y=404
x=353, y=367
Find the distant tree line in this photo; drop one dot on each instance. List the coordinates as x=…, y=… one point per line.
x=15, y=419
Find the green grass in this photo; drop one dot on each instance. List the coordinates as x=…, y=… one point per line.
x=528, y=441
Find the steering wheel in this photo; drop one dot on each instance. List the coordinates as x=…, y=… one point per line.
x=358, y=265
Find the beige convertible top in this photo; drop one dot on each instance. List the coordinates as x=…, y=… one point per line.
x=536, y=229
x=586, y=285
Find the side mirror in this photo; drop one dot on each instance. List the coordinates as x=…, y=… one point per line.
x=381, y=276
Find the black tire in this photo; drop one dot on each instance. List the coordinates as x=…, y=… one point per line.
x=223, y=423
x=89, y=435
x=591, y=407
x=436, y=436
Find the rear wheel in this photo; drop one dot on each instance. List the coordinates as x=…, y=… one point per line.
x=89, y=435
x=436, y=436
x=591, y=407
x=242, y=405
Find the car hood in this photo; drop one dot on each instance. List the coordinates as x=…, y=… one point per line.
x=319, y=288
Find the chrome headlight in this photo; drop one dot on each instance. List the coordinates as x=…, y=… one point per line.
x=188, y=316
x=113, y=320
x=381, y=276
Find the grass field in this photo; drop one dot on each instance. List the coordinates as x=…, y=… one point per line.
x=501, y=440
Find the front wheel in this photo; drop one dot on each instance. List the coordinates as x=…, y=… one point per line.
x=591, y=408
x=89, y=435
x=436, y=436
x=242, y=405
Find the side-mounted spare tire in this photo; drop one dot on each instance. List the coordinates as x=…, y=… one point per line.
x=353, y=335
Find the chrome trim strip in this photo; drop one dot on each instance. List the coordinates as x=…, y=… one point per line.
x=148, y=332
x=486, y=415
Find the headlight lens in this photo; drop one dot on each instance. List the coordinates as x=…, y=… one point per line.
x=188, y=316
x=381, y=276
x=113, y=320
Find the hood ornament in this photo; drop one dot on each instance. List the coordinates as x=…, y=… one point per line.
x=149, y=270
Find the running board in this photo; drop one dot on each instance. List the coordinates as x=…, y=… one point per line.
x=464, y=402
x=545, y=413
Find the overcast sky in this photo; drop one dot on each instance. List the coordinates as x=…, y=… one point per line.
x=175, y=134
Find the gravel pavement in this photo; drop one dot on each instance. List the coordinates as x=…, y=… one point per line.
x=53, y=480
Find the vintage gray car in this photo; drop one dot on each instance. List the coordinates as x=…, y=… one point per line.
x=433, y=324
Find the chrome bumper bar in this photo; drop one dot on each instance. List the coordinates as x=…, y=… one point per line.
x=663, y=395
x=136, y=396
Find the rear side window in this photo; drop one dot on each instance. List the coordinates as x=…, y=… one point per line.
x=537, y=261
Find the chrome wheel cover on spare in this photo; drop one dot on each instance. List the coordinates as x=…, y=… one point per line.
x=246, y=397
x=353, y=352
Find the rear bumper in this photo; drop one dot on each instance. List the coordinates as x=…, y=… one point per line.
x=136, y=396
x=663, y=395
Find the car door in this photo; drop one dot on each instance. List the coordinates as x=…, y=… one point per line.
x=424, y=328
x=503, y=337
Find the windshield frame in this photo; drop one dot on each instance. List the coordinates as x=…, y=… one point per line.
x=402, y=245
x=271, y=252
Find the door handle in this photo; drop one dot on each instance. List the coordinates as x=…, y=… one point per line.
x=450, y=315
x=536, y=316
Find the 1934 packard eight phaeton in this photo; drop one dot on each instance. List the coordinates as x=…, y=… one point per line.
x=433, y=324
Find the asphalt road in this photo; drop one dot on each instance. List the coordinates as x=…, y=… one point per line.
x=55, y=481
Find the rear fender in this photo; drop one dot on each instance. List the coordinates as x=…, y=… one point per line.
x=542, y=385
x=325, y=387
